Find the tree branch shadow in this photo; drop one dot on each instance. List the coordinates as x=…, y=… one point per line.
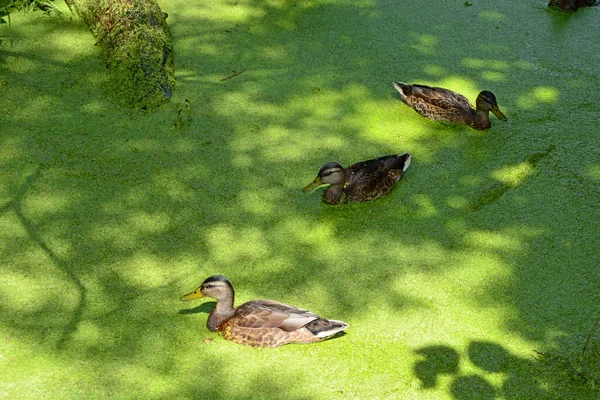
x=15, y=205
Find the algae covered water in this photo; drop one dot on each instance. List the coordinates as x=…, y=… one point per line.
x=475, y=278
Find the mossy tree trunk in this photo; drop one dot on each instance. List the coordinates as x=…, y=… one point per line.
x=136, y=43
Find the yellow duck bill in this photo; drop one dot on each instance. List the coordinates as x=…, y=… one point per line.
x=496, y=111
x=196, y=294
x=313, y=185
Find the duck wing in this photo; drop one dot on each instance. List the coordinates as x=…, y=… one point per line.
x=272, y=314
x=373, y=178
x=442, y=98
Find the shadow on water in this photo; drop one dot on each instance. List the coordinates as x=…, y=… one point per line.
x=15, y=205
x=501, y=374
x=205, y=308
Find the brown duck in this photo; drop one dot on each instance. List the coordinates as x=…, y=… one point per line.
x=363, y=181
x=445, y=105
x=261, y=323
x=571, y=5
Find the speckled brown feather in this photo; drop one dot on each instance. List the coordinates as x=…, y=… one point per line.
x=371, y=179
x=272, y=314
x=441, y=104
x=265, y=337
x=267, y=323
x=438, y=103
x=447, y=106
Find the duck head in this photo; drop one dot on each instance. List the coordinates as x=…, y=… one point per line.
x=216, y=287
x=486, y=101
x=331, y=173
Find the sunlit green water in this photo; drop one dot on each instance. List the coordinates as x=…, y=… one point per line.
x=487, y=251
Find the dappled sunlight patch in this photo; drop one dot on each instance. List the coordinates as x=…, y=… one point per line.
x=493, y=76
x=426, y=206
x=539, y=94
x=462, y=85
x=206, y=49
x=427, y=257
x=231, y=103
x=40, y=204
x=407, y=131
x=11, y=149
x=116, y=235
x=513, y=240
x=312, y=240
x=490, y=70
x=524, y=65
x=593, y=171
x=376, y=121
x=554, y=338
x=309, y=232
x=187, y=74
x=327, y=103
x=434, y=70
x=279, y=144
x=70, y=47
x=31, y=292
x=176, y=189
x=242, y=160
x=320, y=236
x=95, y=107
x=20, y=64
x=223, y=11
x=30, y=369
x=489, y=64
x=473, y=271
x=229, y=245
x=260, y=202
x=514, y=175
x=37, y=303
x=509, y=178
x=277, y=376
x=134, y=198
x=88, y=334
x=145, y=222
x=137, y=376
x=319, y=298
x=144, y=270
x=14, y=234
x=456, y=226
x=128, y=229
x=456, y=202
x=467, y=272
x=36, y=105
x=546, y=94
x=195, y=175
x=424, y=43
x=491, y=16
x=276, y=53
x=320, y=115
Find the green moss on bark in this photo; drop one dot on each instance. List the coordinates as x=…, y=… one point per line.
x=137, y=47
